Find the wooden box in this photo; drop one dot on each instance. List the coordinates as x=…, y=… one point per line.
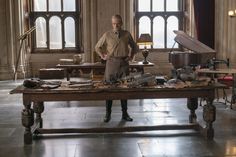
x=66, y=61
x=51, y=73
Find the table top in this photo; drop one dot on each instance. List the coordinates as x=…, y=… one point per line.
x=100, y=65
x=217, y=71
x=103, y=92
x=64, y=88
x=65, y=94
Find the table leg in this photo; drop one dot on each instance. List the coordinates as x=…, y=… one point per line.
x=209, y=116
x=38, y=108
x=27, y=116
x=192, y=104
x=233, y=92
x=141, y=70
x=68, y=73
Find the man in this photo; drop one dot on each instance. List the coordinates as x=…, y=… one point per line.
x=117, y=47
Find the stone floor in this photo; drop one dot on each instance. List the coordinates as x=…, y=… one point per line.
x=178, y=143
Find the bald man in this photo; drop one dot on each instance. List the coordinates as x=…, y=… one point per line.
x=117, y=47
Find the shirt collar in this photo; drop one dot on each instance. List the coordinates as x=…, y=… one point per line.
x=116, y=31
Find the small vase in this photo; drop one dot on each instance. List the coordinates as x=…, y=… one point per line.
x=77, y=59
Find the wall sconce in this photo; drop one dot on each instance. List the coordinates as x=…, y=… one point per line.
x=232, y=13
x=145, y=39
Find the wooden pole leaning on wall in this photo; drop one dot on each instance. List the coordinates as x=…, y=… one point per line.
x=21, y=39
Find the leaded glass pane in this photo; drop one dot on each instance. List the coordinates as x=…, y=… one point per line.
x=55, y=33
x=69, y=5
x=144, y=5
x=54, y=5
x=41, y=33
x=40, y=5
x=172, y=24
x=158, y=5
x=144, y=27
x=69, y=32
x=158, y=32
x=172, y=5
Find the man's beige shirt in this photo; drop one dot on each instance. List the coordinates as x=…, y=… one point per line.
x=116, y=44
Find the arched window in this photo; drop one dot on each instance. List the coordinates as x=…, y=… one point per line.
x=144, y=27
x=172, y=24
x=55, y=34
x=57, y=25
x=164, y=17
x=41, y=33
x=159, y=32
x=69, y=32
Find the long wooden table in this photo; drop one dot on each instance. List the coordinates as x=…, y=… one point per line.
x=33, y=101
x=139, y=66
x=227, y=71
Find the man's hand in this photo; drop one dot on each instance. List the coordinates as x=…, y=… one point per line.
x=104, y=56
x=129, y=58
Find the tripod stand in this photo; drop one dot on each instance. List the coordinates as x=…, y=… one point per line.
x=22, y=39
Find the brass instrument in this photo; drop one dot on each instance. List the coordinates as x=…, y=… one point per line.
x=21, y=38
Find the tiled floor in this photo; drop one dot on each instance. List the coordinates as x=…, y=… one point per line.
x=185, y=143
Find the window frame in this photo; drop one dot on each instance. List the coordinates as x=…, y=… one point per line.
x=165, y=15
x=76, y=15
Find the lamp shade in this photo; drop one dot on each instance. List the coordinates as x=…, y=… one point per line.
x=144, y=39
x=232, y=13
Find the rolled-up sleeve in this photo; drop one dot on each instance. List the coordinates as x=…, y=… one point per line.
x=133, y=45
x=100, y=46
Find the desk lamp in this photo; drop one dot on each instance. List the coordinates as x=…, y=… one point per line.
x=145, y=39
x=232, y=13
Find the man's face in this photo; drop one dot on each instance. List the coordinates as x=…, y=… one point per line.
x=116, y=24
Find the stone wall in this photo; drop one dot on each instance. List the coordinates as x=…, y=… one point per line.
x=225, y=35
x=10, y=26
x=3, y=41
